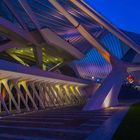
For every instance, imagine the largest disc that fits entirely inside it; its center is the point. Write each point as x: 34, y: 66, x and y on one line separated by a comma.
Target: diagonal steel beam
x: 15, y: 13
x: 9, y: 45
x: 15, y: 33
x: 48, y: 35
x: 37, y: 51
x: 95, y: 44
x: 30, y: 13
x: 54, y: 40
x: 18, y: 35
x: 102, y: 21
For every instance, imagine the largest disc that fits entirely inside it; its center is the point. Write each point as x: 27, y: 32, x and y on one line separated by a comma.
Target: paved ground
x: 64, y: 124
x: 108, y: 129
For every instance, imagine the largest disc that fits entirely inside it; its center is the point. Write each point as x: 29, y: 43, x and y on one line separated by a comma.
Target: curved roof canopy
x: 35, y: 16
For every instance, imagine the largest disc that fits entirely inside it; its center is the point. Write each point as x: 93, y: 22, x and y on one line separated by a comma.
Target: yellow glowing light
x: 44, y: 66
x: 18, y: 59
x: 66, y: 89
x: 77, y: 89
x: 55, y: 93
x: 57, y: 85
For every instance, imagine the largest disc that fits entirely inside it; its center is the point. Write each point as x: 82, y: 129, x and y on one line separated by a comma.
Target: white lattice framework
x: 28, y: 92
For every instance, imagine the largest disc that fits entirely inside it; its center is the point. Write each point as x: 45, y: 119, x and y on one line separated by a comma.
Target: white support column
x: 42, y: 93
x: 64, y: 94
x: 10, y: 103
x: 68, y: 94
x: 4, y: 104
x: 54, y: 94
x: 19, y: 101
x: 59, y: 93
x: 81, y: 93
x: 107, y: 94
x: 48, y: 96
x: 75, y: 95
x: 15, y: 84
x: 23, y: 83
x: 112, y: 97
x: 32, y: 85
x: 0, y: 106
x: 5, y: 83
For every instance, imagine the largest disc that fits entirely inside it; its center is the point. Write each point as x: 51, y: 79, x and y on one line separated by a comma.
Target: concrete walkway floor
x: 109, y: 127
x: 62, y: 124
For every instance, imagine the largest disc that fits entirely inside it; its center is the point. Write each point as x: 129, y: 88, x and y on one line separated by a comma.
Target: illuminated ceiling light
x: 93, y: 77
x: 98, y: 79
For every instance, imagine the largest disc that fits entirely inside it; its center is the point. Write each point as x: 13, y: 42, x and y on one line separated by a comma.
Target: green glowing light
x: 24, y: 54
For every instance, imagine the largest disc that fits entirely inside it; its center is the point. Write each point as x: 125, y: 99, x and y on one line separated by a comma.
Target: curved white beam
x: 15, y: 33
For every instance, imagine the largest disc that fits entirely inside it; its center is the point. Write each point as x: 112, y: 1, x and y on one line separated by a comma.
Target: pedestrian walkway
x: 108, y: 129
x: 63, y: 124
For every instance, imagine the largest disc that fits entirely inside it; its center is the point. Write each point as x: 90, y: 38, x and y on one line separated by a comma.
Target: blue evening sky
x: 125, y: 14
